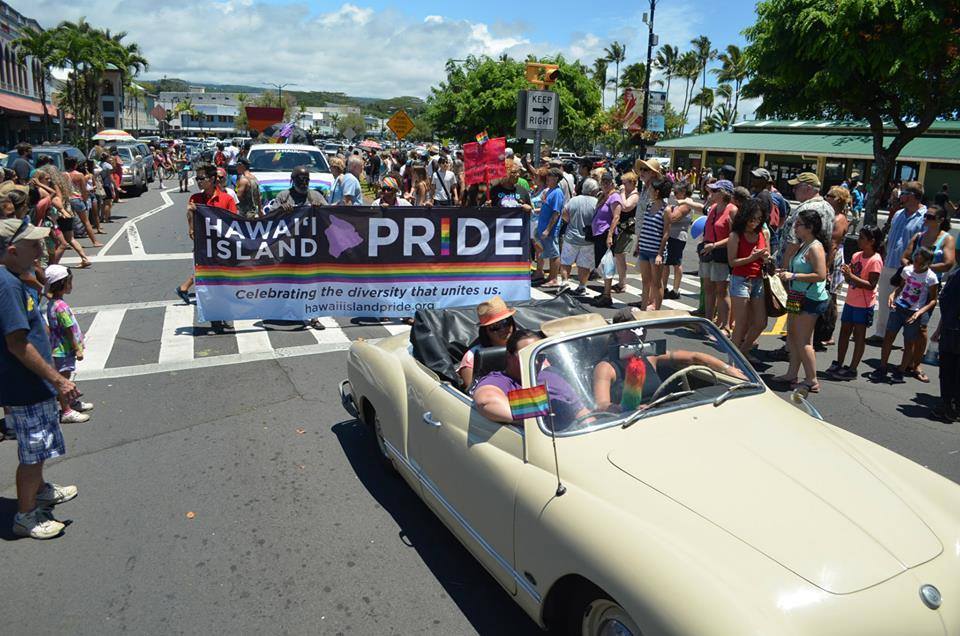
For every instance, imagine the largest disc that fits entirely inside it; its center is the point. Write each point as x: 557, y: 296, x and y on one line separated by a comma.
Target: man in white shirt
x: 445, y: 185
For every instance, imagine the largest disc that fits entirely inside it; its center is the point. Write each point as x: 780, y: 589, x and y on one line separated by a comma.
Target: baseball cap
x: 55, y: 273
x: 722, y: 184
x: 808, y: 178
x: 221, y: 172
x: 13, y: 230
x: 762, y: 173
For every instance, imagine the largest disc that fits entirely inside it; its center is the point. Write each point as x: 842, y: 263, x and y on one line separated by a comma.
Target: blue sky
x: 377, y: 48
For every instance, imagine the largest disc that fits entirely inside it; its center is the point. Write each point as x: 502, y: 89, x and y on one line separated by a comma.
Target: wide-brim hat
x: 650, y: 164
x: 493, y: 310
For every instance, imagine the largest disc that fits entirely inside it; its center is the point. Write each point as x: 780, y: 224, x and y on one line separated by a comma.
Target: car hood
x: 783, y: 485
x: 272, y: 183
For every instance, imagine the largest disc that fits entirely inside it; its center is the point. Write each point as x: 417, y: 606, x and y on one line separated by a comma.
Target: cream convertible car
x: 715, y: 507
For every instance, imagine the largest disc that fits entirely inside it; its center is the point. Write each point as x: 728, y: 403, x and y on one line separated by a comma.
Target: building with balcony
x: 21, y: 111
x: 215, y: 114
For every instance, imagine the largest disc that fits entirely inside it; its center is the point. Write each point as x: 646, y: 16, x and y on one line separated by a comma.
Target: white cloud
x: 349, y: 48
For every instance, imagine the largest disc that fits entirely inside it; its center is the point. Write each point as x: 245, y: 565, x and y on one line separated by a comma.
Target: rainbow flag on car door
x: 530, y: 402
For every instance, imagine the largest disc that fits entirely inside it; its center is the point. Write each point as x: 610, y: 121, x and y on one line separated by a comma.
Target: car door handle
x: 428, y: 418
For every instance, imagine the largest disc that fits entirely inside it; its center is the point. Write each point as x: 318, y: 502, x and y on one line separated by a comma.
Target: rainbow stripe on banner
x: 358, y: 273
x: 530, y: 402
x: 445, y: 236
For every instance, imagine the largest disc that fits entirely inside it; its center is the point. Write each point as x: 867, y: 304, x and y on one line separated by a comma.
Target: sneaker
x: 672, y: 294
x: 316, y: 324
x: 834, y: 368
x: 74, y: 417
x: 83, y: 407
x: 897, y: 376
x: 36, y: 526
x: 944, y: 414
x: 878, y: 375
x: 184, y: 296
x: 53, y: 494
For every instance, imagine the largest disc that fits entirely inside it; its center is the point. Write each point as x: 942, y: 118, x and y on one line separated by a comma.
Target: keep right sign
x: 541, y: 112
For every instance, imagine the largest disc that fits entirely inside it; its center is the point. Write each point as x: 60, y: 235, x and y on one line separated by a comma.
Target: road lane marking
x: 176, y: 341
x: 133, y: 237
x: 212, y: 361
x: 333, y: 334
x: 167, y: 202
x: 251, y: 338
x: 150, y: 304
x: 100, y: 338
x: 129, y: 258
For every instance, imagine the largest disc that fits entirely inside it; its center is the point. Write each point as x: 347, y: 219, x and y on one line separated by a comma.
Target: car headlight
x: 126, y: 170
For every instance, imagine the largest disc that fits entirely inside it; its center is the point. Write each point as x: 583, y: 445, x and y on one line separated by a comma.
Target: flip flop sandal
x: 813, y: 387
x: 920, y: 375
x: 619, y: 288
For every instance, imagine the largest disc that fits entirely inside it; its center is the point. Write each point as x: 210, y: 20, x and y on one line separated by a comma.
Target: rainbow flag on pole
x: 482, y: 137
x: 530, y: 402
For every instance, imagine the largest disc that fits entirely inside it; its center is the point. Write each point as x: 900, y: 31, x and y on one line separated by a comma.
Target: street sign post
x: 400, y: 124
x: 537, y: 118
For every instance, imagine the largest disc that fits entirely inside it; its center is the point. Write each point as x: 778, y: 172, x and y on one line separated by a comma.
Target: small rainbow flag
x: 482, y: 137
x: 530, y: 402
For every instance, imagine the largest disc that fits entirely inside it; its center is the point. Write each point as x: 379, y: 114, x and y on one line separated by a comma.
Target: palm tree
x: 725, y: 92
x: 616, y: 53
x: 705, y: 55
x: 734, y: 69
x: 634, y: 75
x: 666, y: 61
x: 721, y: 118
x: 688, y: 68
x: 38, y: 45
x: 599, y: 76
x: 705, y: 100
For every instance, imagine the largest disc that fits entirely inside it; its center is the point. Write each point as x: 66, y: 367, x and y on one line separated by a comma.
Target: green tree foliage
x: 352, y: 121
x: 705, y: 54
x: 893, y: 63
x: 616, y: 54
x: 666, y: 62
x: 481, y: 94
x: 733, y: 70
x: 87, y: 53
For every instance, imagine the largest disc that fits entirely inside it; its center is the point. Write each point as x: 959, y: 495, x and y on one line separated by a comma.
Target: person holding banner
x: 211, y: 196
x: 299, y: 193
x: 389, y: 188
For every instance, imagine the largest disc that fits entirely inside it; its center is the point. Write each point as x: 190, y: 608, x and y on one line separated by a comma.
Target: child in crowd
x: 862, y: 275
x: 66, y: 339
x: 912, y: 303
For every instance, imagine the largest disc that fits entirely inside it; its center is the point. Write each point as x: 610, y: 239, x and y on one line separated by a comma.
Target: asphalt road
x: 223, y: 489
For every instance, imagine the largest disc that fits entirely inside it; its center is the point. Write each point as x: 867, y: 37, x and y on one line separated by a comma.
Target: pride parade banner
x: 357, y: 261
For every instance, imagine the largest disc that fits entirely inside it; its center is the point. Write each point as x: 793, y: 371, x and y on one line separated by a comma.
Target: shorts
x: 551, y: 247
x: 743, y: 287
x: 647, y: 256
x: 108, y: 188
x: 572, y: 253
x: 898, y: 319
x: 714, y: 272
x: 623, y: 239
x: 65, y: 224
x: 38, y: 431
x: 814, y: 307
x: 65, y: 365
x: 857, y: 315
x: 674, y: 251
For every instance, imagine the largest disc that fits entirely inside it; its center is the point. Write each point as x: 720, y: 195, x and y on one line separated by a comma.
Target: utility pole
x: 646, y: 79
x: 280, y: 88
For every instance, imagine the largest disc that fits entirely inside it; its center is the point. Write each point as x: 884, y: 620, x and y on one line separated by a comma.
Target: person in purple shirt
x: 490, y: 394
x: 605, y: 222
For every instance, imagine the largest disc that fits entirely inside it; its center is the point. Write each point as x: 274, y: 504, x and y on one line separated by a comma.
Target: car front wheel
x: 604, y: 617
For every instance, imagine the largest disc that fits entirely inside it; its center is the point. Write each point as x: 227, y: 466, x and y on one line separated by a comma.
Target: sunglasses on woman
x: 503, y: 325
x: 930, y: 216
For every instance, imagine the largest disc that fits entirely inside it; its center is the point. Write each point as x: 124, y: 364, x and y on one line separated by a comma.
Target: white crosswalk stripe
x: 99, y: 339
x: 176, y: 342
x: 180, y: 337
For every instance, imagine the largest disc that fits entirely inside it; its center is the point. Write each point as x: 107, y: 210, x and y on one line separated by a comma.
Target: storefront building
x: 835, y: 150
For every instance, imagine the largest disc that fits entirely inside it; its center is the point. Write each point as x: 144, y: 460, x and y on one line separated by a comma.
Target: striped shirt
x: 651, y: 234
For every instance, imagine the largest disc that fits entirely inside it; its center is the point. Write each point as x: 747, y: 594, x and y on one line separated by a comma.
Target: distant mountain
x: 379, y: 107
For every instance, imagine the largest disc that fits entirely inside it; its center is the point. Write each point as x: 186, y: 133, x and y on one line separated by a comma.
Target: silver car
x: 134, y: 177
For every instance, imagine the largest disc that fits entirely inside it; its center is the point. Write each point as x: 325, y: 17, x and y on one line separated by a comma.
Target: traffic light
x: 542, y: 75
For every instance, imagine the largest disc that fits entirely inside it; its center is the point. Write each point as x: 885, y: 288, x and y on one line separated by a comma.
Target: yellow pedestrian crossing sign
x: 400, y: 124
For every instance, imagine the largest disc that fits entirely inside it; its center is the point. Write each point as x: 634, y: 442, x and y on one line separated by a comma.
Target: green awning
x: 938, y: 149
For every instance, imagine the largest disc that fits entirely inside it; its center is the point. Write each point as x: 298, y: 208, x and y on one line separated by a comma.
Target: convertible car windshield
x: 622, y: 374
x: 285, y: 160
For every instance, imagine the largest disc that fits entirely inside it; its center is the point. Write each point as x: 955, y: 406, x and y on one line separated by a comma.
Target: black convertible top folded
x: 440, y: 337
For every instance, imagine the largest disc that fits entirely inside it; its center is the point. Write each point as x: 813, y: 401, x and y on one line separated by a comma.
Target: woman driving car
x: 621, y: 385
